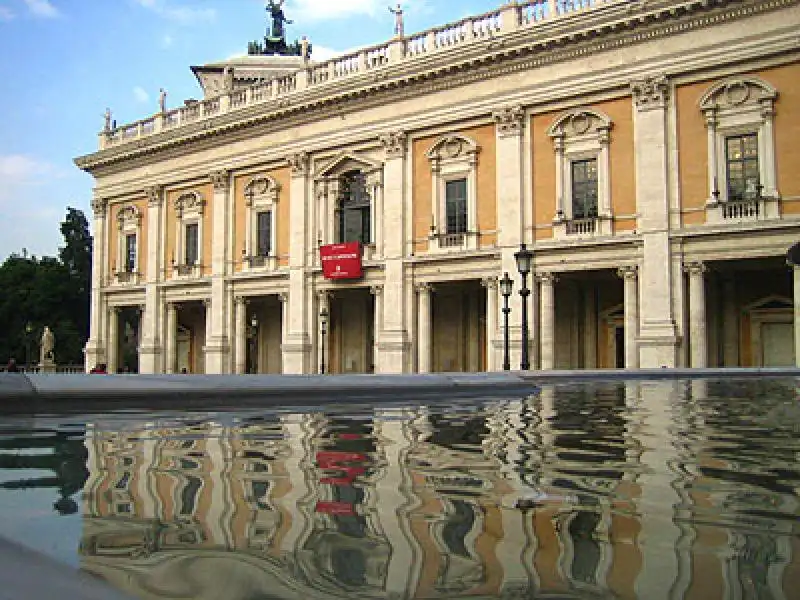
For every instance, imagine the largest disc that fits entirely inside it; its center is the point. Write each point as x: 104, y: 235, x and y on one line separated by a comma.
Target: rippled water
x: 666, y: 489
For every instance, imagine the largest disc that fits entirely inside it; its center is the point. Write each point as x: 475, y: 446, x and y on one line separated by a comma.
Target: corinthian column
x: 217, y: 347
x: 490, y: 283
x: 548, y: 320
x: 150, y: 347
x: 631, y: 301
x: 424, y: 349
x: 171, y: 337
x: 698, y: 334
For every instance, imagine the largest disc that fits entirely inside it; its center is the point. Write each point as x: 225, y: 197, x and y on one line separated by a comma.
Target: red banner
x: 335, y: 508
x: 341, y: 261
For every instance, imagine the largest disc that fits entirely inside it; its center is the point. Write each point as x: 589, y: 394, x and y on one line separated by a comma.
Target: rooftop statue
x: 275, y: 40
x: 398, y: 19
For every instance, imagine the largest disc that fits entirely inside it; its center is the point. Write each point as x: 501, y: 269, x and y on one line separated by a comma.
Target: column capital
x: 547, y: 278
x: 299, y: 163
x: 650, y: 93
x: 283, y: 297
x: 628, y: 271
x: 695, y: 268
x: 376, y: 290
x: 394, y: 144
x: 423, y: 288
x: 155, y: 195
x: 489, y: 282
x: 221, y: 180
x: 509, y: 120
x: 240, y: 300
x: 99, y: 207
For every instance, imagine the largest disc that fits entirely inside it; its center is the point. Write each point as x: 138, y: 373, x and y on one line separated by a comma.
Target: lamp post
x: 506, y: 286
x: 28, y: 332
x: 524, y: 258
x: 323, y: 328
x: 254, y: 344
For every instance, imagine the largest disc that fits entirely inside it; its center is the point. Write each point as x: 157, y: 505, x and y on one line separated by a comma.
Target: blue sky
x: 65, y: 61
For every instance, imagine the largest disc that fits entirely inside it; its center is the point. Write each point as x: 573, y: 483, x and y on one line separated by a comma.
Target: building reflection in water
x: 632, y: 490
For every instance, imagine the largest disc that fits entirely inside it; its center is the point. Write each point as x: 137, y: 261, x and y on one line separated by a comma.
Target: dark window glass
x: 130, y: 253
x: 189, y: 494
x: 264, y: 233
x: 741, y: 155
x: 354, y: 209
x: 584, y: 189
x: 455, y: 193
x: 192, y: 241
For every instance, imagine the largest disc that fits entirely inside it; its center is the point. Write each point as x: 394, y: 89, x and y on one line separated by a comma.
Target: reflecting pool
x: 648, y: 489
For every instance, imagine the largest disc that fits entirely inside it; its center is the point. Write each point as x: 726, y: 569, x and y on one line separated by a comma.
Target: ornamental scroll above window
x: 739, y: 115
x: 583, y: 184
x: 454, y: 192
x: 261, y: 202
x: 188, y: 257
x: 129, y: 223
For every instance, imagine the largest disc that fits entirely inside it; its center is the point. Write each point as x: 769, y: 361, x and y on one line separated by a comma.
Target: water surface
x: 667, y: 489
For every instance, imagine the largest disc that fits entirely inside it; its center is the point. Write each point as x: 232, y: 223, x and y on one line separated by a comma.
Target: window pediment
x: 453, y: 149
x: 739, y: 93
x: 262, y: 189
x: 346, y: 162
x: 129, y: 217
x: 581, y: 123
x: 191, y: 202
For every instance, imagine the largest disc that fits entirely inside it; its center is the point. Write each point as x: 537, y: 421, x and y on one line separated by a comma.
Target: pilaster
x: 796, y: 292
x: 658, y: 338
x: 113, y: 339
x: 95, y: 346
x: 217, y: 346
x: 510, y: 182
x: 393, y: 344
x: 150, y: 345
x: 240, y: 335
x: 297, y: 345
x: 171, y: 341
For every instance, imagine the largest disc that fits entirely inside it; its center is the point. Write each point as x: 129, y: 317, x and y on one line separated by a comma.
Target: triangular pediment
x: 345, y: 162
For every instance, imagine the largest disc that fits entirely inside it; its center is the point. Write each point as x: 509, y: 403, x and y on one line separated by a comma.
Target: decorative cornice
x: 299, y: 163
x: 617, y: 27
x: 394, y: 144
x: 221, y: 180
x: 509, y: 120
x: 651, y: 93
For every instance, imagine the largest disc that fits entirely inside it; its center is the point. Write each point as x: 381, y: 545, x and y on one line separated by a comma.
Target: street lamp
x: 524, y: 258
x: 506, y: 286
x: 323, y: 327
x: 28, y: 332
x: 254, y: 344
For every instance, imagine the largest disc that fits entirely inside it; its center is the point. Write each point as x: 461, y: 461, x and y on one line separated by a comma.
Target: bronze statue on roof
x: 275, y: 40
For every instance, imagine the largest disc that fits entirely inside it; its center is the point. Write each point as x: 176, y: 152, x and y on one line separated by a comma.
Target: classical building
x: 646, y: 152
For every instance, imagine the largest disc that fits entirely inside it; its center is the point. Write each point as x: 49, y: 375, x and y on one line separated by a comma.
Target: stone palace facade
x: 646, y: 152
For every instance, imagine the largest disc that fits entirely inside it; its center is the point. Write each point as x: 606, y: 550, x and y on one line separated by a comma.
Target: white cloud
x: 326, y: 9
x: 179, y: 14
x: 167, y: 41
x: 21, y: 168
x: 6, y: 13
x: 141, y: 95
x: 42, y: 8
x: 323, y: 53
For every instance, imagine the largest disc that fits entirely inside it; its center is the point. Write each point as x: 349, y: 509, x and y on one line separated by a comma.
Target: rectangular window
x: 584, y: 188
x: 455, y: 194
x: 192, y: 244
x: 741, y: 157
x: 264, y: 233
x: 130, y: 253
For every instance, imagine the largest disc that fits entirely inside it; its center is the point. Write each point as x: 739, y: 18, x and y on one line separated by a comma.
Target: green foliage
x: 35, y: 292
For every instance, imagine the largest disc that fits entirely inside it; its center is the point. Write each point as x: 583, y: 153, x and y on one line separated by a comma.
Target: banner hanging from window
x: 341, y: 261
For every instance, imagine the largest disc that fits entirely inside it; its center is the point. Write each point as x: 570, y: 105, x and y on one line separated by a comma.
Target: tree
x: 48, y: 291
